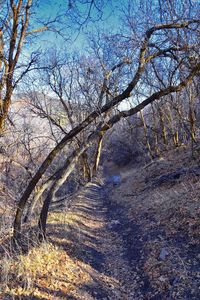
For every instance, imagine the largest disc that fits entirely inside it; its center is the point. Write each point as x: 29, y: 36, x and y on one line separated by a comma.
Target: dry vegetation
x: 66, y: 265
x: 169, y: 214
x: 99, y: 150
x: 46, y: 271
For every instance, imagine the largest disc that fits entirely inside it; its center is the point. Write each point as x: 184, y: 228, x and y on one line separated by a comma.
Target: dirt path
x: 130, y: 241
x: 104, y: 239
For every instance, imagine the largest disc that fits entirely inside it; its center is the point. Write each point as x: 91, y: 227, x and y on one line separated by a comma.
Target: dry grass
x: 54, y: 269
x: 48, y: 271
x: 170, y: 215
x: 172, y: 205
x: 42, y: 273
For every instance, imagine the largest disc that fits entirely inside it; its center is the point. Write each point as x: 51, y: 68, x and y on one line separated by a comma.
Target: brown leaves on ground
x: 82, y: 241
x: 44, y: 272
x: 169, y: 215
x: 82, y: 260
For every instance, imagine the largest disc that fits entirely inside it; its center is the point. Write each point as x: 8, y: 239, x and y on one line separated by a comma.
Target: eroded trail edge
x: 108, y: 243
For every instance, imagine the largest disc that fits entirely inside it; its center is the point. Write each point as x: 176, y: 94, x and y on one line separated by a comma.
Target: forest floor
x: 133, y: 235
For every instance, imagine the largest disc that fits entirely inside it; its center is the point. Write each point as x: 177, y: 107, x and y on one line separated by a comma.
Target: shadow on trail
x: 81, y: 241
x: 108, y: 244
x: 130, y: 233
x: 84, y: 240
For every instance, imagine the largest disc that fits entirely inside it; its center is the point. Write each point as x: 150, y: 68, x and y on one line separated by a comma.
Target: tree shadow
x: 80, y: 240
x: 84, y: 243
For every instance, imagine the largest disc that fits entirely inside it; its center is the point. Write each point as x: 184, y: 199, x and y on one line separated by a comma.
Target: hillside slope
x: 132, y: 235
x: 163, y: 199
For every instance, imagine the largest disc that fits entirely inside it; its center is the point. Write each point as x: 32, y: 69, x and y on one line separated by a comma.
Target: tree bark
x: 87, y: 121
x: 20, y: 15
x: 97, y: 155
x: 155, y: 132
x: 56, y: 185
x: 63, y: 174
x: 146, y: 135
x: 86, y: 168
x: 162, y: 125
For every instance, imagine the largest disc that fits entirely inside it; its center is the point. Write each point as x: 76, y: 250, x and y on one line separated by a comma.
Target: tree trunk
x: 162, y: 125
x: 155, y: 132
x: 113, y: 120
x: 86, y: 168
x: 191, y: 118
x: 146, y: 135
x: 62, y: 177
x: 5, y: 105
x: 97, y: 155
x: 34, y: 202
x: 176, y: 139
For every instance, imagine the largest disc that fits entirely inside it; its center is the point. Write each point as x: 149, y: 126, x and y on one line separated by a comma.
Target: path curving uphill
x: 109, y: 243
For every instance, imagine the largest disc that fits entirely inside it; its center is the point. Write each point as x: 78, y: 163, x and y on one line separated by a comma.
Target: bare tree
x: 158, y: 45
x: 19, y: 23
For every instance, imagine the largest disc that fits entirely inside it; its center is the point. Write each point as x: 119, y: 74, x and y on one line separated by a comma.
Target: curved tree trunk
x: 69, y: 136
x: 76, y: 130
x: 46, y: 185
x: 62, y: 177
x: 113, y: 120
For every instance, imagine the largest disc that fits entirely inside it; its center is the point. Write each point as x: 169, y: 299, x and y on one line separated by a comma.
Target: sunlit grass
x: 47, y: 271
x: 44, y: 268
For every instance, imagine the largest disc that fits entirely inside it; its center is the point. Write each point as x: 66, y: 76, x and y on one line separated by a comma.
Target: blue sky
x: 111, y: 18
x: 48, y: 10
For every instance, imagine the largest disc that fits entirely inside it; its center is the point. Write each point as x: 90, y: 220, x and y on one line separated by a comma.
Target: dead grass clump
x: 45, y: 268
x: 19, y: 273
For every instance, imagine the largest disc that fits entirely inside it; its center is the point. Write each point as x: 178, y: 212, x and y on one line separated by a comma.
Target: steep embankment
x: 163, y: 199
x: 134, y: 238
